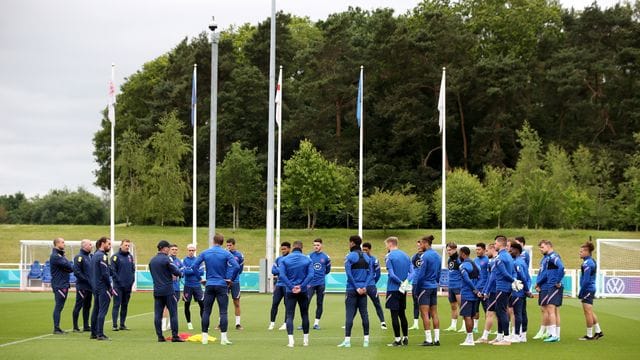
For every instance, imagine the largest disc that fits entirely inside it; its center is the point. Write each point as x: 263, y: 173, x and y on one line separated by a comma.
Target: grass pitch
x: 26, y: 325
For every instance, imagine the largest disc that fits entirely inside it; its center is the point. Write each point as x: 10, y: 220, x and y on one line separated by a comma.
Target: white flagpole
x: 279, y: 175
x: 194, y: 112
x: 112, y: 117
x: 442, y: 104
x: 361, y: 160
x: 271, y: 146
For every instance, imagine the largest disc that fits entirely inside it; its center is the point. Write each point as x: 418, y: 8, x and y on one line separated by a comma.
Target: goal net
x: 618, y: 262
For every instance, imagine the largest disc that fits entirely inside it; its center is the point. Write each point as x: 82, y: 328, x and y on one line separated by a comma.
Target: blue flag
x: 359, y: 101
x: 193, y: 97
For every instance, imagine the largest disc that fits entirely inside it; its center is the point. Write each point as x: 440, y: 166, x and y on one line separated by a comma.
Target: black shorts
x: 468, y: 308
x: 484, y: 305
x: 192, y: 293
x: 234, y: 290
x: 491, y: 302
x: 551, y: 297
x: 452, y: 294
x: 428, y: 297
x: 396, y: 301
x: 588, y: 298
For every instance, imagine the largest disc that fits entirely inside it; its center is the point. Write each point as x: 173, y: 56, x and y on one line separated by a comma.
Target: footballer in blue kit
x: 549, y: 285
x: 372, y: 288
x: 192, y: 285
x: 469, y: 294
x: 234, y: 289
x: 587, y: 291
x: 482, y: 262
x: 278, y: 288
x: 321, y: 267
x: 453, y: 264
x: 503, y: 272
x: 426, y: 281
x: 518, y: 301
x: 416, y: 260
x: 399, y: 269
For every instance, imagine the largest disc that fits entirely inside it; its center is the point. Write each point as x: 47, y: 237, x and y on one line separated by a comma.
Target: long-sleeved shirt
x: 587, y: 277
x: 100, y: 272
x: 123, y: 269
x: 217, y: 262
x: 178, y: 263
x: 490, y: 286
x: 429, y: 272
x: 240, y: 260
x: 162, y: 271
x: 453, y: 263
x: 82, y: 270
x: 276, y: 271
x: 296, y: 269
x: 358, y: 267
x: 504, y: 271
x: 60, y: 269
x: 521, y: 273
x: 192, y: 276
x: 551, y: 272
x: 321, y: 267
x: 416, y: 260
x: 469, y: 274
x: 398, y: 268
x: 526, y: 258
x: 482, y: 262
x: 376, y: 271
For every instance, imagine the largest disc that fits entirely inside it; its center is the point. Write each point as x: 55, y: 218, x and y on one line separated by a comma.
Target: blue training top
x: 398, y: 268
x: 358, y: 267
x: 60, y: 269
x: 482, y: 262
x: 521, y: 273
x: 123, y: 269
x: 275, y: 269
x: 504, y: 271
x: 296, y: 269
x: 551, y: 272
x: 429, y: 273
x: 217, y: 261
x: 82, y: 270
x: 587, y: 277
x: 162, y: 271
x: 416, y: 260
x: 321, y: 267
x: 455, y: 281
x: 469, y: 274
x: 240, y: 260
x: 192, y: 276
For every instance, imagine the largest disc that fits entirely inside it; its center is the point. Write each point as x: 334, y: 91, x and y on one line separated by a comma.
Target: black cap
x: 163, y: 244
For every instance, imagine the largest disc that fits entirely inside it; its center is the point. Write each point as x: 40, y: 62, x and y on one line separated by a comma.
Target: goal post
x: 618, y: 262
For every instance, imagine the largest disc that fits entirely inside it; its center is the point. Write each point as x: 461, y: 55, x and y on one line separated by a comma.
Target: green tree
x: 629, y: 196
x: 165, y: 182
x: 239, y: 180
x: 497, y: 189
x: 131, y: 166
x: 465, y: 200
x: 69, y: 207
x: 392, y: 209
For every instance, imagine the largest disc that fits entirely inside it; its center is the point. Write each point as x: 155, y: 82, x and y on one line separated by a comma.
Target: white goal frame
x: 612, y: 282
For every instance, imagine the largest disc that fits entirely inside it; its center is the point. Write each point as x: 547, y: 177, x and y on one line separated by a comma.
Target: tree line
x: 571, y: 78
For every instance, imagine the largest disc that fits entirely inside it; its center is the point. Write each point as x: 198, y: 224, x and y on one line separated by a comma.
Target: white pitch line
x: 46, y: 335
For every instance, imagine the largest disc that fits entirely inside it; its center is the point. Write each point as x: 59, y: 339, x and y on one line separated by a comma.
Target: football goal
x: 618, y: 262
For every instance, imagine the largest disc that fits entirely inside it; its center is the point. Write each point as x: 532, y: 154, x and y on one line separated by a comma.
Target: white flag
x: 279, y: 100
x: 111, y: 115
x: 442, y: 102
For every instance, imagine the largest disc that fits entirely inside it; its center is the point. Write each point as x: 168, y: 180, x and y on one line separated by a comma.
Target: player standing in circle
x: 482, y: 262
x: 399, y: 268
x: 192, y: 284
x: 427, y: 280
x: 469, y: 294
x: 453, y: 263
x: 587, y: 291
x: 235, y: 287
x: 549, y: 285
x: 416, y: 260
x: 279, y: 289
x: 321, y: 267
x: 372, y: 289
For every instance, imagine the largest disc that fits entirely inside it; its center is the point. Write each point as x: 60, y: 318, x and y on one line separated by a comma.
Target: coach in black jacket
x: 82, y: 271
x: 163, y: 271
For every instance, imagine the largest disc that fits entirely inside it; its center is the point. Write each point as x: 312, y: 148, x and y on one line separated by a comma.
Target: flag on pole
x: 279, y: 100
x: 359, y: 101
x: 442, y: 102
x: 193, y: 96
x: 111, y: 112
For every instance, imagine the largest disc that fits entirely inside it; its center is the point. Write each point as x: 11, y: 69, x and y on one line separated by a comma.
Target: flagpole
x: 279, y: 175
x: 270, y: 144
x: 112, y: 195
x: 194, y: 124
x: 361, y: 105
x: 442, y: 103
x: 213, y: 133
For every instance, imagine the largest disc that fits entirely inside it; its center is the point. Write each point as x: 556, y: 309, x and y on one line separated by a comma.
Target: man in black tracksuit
x: 123, y: 270
x: 101, y: 285
x: 82, y: 271
x: 60, y: 269
x: 163, y: 271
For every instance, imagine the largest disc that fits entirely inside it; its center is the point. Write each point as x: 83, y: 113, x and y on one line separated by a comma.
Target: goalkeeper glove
x: 516, y: 285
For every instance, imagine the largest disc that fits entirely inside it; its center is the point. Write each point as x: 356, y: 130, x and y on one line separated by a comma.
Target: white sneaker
x: 205, y: 338
x: 225, y: 342
x: 523, y: 338
x: 414, y: 327
x: 482, y: 341
x: 514, y: 338
x: 305, y: 343
x: 283, y: 327
x: 467, y: 344
x: 271, y: 326
x: 190, y: 326
x: 383, y: 325
x: 290, y: 345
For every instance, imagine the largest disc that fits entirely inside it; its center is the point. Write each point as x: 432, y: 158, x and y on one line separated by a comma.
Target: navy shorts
x: 484, y: 305
x: 176, y: 294
x: 551, y: 297
x: 468, y: 308
x: 192, y: 293
x: 491, y: 302
x: 427, y: 297
x: 452, y: 294
x: 234, y: 290
x: 588, y: 298
x: 396, y: 301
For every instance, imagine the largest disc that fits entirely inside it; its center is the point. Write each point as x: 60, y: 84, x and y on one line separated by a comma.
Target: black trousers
x: 353, y: 303
x: 171, y: 303
x: 290, y: 302
x: 120, y: 304
x: 83, y: 302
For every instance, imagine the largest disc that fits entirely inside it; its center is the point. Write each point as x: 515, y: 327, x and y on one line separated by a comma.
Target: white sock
x: 552, y: 330
x: 316, y: 322
x: 347, y: 339
x: 436, y: 334
x: 558, y: 331
x: 500, y: 337
x: 485, y: 334
x: 590, y: 332
x: 366, y: 338
x: 272, y: 324
x: 305, y: 338
x: 205, y: 338
x: 523, y: 334
x: 237, y: 320
x: 223, y: 336
x: 596, y: 327
x: 291, y: 339
x: 427, y: 335
x: 544, y: 329
x: 475, y: 323
x: 469, y: 337
x: 415, y: 323
x: 397, y: 339
x: 164, y: 323
x: 454, y: 323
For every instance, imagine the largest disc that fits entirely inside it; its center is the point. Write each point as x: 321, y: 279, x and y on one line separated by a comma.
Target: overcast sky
x: 55, y: 61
